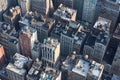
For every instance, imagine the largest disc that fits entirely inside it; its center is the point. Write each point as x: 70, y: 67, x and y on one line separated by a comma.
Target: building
x: 36, y: 51
x: 57, y: 30
x: 3, y: 7
x: 78, y: 5
x: 79, y: 68
x: 2, y: 56
x: 117, y: 32
x: 25, y: 5
x: 18, y: 69
x: 38, y: 72
x: 115, y: 69
x: 43, y: 28
x: 89, y: 8
x: 101, y: 45
x: 41, y: 6
x: 68, y: 3
x: 35, y: 71
x: 51, y: 52
x: 27, y: 38
x: 9, y: 39
x: 50, y: 74
x: 89, y: 46
x: 71, y: 38
x: 103, y: 24
x: 115, y: 77
x: 12, y: 16
x: 103, y: 38
x: 108, y: 8
x: 65, y: 13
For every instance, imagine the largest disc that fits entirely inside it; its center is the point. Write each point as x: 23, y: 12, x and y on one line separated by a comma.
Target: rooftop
x: 115, y: 77
x: 35, y: 70
x: 45, y: 25
x: 13, y: 68
x: 73, y: 29
x: 103, y: 24
x: 102, y: 38
x: 5, y: 28
x: 96, y: 70
x: 9, y: 32
x: 28, y: 30
x: 51, y: 43
x: 36, y: 46
x: 70, y: 62
x: 64, y: 13
x: 20, y: 61
x: 81, y: 68
x: 50, y: 74
x: 90, y: 41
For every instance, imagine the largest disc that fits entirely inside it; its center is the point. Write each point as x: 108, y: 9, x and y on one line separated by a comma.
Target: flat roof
x: 82, y: 68
x: 64, y: 12
x: 13, y: 68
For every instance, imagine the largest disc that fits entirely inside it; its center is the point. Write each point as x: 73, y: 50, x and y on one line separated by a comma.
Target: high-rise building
x: 43, y: 28
x: 19, y: 68
x: 27, y: 38
x: 36, y: 51
x: 25, y: 5
x: 3, y: 7
x: 41, y: 6
x: 50, y: 74
x: 103, y: 38
x: 116, y: 62
x: 89, y: 8
x: 2, y: 56
x: 12, y: 16
x: 110, y: 9
x: 35, y: 70
x: 71, y: 36
x: 77, y: 68
x: 65, y: 13
x: 89, y: 46
x: 9, y: 39
x: 78, y: 5
x: 51, y: 52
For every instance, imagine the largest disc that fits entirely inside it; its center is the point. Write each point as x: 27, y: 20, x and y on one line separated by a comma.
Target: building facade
x: 50, y: 52
x: 116, y: 63
x: 43, y: 28
x: 89, y: 8
x: 27, y: 38
x: 18, y: 69
x: 9, y: 39
x: 109, y: 8
x: 41, y: 6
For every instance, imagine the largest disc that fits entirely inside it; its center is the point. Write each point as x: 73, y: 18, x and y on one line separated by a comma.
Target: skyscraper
x: 41, y: 6
x: 78, y: 5
x: 89, y: 8
x: 27, y: 38
x: 110, y: 9
x: 50, y: 52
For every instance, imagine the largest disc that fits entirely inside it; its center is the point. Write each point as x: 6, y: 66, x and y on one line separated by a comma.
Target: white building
x: 50, y: 52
